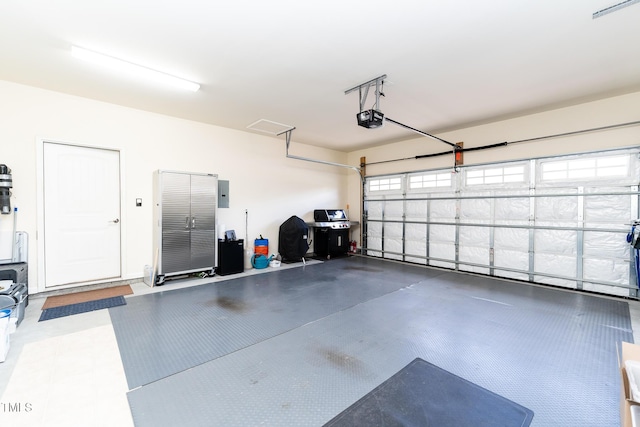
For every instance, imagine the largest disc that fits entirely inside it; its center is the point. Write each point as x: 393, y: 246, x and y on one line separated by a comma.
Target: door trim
x: 41, y: 276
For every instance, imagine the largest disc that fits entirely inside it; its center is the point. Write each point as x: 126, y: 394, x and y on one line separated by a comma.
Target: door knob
x: 115, y: 221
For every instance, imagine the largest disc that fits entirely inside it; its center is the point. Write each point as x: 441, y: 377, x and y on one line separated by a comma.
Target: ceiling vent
x: 267, y: 126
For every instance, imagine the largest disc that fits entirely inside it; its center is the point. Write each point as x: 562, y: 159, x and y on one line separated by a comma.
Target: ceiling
x: 448, y: 64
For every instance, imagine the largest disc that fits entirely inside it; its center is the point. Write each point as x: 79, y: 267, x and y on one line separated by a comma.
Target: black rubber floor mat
x: 296, y: 349
x: 422, y: 394
x: 82, y: 307
x: 168, y: 332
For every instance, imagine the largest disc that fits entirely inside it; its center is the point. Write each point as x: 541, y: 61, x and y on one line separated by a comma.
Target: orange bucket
x: 261, y: 246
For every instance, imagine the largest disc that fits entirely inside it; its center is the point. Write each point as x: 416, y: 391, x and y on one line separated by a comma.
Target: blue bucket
x: 261, y: 246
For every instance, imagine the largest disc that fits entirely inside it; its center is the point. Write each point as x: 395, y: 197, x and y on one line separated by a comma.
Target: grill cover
x: 292, y: 239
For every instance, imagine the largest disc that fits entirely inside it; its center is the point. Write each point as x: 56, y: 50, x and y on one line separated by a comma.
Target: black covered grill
x: 293, y: 240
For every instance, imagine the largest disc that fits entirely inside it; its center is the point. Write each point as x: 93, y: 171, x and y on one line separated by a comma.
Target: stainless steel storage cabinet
x: 185, y: 223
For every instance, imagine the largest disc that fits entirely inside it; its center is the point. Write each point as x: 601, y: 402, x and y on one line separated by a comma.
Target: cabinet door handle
x: 186, y: 226
x: 193, y: 222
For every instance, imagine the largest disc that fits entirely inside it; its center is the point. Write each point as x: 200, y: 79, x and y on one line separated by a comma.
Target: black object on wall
x: 6, y: 182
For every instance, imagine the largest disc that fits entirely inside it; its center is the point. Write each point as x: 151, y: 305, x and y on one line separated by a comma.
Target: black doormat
x: 422, y: 394
x: 82, y: 307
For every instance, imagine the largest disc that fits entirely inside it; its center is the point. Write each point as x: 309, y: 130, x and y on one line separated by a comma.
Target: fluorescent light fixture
x: 132, y: 69
x: 614, y: 7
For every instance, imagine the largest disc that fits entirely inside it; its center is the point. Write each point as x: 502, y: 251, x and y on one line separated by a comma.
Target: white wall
x: 262, y: 180
x: 606, y: 112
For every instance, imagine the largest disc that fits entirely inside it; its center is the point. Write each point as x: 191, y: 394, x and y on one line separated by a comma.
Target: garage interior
x: 464, y: 179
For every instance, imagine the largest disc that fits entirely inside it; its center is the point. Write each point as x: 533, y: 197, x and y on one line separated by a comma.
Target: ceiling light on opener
x: 132, y: 69
x: 372, y: 118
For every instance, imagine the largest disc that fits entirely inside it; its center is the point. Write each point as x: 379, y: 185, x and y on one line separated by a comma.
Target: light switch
x: 138, y: 202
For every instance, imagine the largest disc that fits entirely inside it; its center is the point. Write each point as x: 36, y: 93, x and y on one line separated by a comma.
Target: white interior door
x: 81, y: 214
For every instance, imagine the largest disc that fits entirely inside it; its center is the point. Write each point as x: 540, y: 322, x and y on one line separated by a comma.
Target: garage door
x: 560, y: 221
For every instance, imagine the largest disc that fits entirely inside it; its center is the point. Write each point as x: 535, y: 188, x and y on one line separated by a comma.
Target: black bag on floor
x: 292, y: 239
